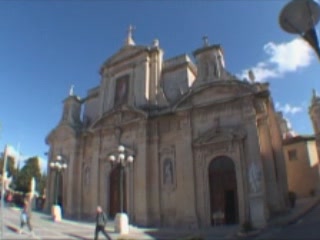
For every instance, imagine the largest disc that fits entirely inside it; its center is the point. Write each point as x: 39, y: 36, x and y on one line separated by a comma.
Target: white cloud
x: 282, y: 58
x: 288, y: 108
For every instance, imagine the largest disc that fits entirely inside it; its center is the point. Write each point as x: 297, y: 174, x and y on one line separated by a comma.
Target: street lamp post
x: 301, y: 17
x: 57, y: 165
x: 122, y: 159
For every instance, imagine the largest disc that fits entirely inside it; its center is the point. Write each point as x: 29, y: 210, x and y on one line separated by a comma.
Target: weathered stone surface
x: 174, y: 140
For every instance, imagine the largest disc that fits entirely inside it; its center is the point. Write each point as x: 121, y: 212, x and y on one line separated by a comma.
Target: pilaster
x: 268, y: 161
x: 153, y: 175
x: 140, y: 178
x: 258, y: 210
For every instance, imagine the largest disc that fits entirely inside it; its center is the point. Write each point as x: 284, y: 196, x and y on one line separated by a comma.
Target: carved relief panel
x: 168, y: 168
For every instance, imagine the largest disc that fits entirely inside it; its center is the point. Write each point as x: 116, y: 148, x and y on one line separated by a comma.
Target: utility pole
x: 4, y: 168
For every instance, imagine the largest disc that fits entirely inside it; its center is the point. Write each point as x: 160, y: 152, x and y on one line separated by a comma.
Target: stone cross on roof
x: 205, y: 41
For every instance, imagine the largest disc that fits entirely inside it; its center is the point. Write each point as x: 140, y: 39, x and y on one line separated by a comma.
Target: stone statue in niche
x: 167, y: 172
x: 122, y: 89
x: 255, y: 176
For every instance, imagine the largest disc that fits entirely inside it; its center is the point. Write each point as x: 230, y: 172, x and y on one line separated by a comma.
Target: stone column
x: 280, y: 163
x: 200, y: 186
x: 153, y: 175
x: 69, y: 179
x: 258, y: 213
x: 185, y: 171
x: 49, y: 185
x: 92, y: 190
x: 140, y: 178
x: 268, y: 164
x: 242, y: 183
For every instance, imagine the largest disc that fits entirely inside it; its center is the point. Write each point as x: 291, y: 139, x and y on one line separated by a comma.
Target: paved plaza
x: 45, y: 228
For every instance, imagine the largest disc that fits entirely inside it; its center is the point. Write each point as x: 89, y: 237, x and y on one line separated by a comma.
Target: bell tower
x: 210, y: 63
x: 314, y: 112
x: 71, y: 109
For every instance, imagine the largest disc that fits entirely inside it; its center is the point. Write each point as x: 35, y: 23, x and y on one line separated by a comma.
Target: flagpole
x: 2, y: 188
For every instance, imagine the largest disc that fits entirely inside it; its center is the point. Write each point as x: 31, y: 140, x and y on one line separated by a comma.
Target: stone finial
x: 314, y: 94
x: 129, y: 40
x: 251, y: 76
x: 205, y: 41
x: 155, y: 43
x: 71, y: 91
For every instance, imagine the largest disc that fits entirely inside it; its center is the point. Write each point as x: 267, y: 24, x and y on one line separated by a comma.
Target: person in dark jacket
x: 101, y: 221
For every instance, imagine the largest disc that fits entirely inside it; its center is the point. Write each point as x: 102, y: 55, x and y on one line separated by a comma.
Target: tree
x: 30, y: 169
x: 11, y: 169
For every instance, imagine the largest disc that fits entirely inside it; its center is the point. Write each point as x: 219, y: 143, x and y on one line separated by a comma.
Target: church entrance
x: 223, y: 191
x: 115, y: 192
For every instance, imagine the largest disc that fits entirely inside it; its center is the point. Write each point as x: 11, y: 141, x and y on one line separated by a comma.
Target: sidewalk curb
x: 293, y: 219
x: 304, y: 212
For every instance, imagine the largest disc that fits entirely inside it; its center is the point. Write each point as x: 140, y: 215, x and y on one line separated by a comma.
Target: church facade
x: 206, y: 145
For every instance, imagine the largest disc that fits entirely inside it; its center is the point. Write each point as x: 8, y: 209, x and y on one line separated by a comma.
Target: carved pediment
x: 216, y: 92
x: 220, y: 135
x: 124, y: 53
x: 119, y: 117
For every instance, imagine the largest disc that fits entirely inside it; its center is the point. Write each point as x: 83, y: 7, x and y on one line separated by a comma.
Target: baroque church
x: 207, y: 146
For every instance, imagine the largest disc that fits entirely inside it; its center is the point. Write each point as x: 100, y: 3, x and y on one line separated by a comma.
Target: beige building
x: 302, y: 165
x: 201, y: 140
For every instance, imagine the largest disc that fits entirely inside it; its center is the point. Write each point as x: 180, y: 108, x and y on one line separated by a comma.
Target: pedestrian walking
x: 26, y: 216
x: 101, y: 221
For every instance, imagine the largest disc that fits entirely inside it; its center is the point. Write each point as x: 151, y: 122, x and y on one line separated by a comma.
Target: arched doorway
x: 115, y: 192
x: 223, y: 191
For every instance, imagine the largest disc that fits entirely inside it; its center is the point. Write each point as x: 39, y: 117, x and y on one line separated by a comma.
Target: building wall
x: 168, y: 183
x: 303, y: 178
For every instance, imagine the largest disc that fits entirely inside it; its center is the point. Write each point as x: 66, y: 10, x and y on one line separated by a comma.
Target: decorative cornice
x: 220, y: 135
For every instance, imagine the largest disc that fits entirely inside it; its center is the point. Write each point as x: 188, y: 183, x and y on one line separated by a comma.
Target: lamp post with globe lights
x: 57, y: 165
x: 122, y: 159
x: 300, y: 17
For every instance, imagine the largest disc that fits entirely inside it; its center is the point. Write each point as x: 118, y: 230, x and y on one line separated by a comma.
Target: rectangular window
x: 292, y: 154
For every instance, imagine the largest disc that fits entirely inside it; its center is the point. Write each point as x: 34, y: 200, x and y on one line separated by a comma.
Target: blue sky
x: 46, y: 46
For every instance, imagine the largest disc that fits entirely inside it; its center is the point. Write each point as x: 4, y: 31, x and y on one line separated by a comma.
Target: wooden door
x: 223, y: 191
x: 115, y: 192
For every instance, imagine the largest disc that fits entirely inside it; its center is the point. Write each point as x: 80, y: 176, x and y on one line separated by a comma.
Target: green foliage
x: 11, y: 170
x: 29, y: 170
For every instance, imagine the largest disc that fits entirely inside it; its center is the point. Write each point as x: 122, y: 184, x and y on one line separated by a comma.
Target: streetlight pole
x: 57, y: 165
x: 3, y: 178
x: 122, y: 159
x: 301, y: 17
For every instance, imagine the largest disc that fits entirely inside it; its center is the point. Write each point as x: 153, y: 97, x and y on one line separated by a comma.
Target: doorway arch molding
x: 206, y: 154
